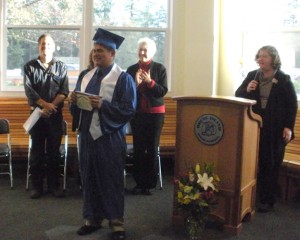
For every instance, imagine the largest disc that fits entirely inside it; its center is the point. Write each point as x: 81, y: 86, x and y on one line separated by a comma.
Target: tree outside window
x: 26, y: 20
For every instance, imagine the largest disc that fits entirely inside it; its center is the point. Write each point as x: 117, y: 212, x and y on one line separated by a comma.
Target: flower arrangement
x: 196, y: 194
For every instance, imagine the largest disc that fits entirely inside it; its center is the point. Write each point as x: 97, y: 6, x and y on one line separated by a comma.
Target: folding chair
x: 5, y: 150
x: 78, y: 157
x: 63, y: 150
x: 129, y: 153
x: 64, y: 153
x: 129, y: 158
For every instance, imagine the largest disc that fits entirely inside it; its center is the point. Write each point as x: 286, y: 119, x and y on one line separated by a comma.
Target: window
x: 26, y: 20
x: 279, y: 27
x: 134, y: 19
x: 22, y: 46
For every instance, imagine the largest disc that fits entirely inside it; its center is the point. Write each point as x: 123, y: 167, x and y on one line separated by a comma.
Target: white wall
x: 207, y: 47
x: 230, y: 52
x: 193, y: 48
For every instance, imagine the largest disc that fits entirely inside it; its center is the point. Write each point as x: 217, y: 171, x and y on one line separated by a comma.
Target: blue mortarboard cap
x: 107, y: 38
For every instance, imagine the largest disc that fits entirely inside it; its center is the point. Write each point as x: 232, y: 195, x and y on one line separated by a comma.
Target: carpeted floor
x: 147, y: 217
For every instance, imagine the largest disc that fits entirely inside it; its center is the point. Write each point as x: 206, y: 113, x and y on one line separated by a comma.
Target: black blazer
x: 281, y: 109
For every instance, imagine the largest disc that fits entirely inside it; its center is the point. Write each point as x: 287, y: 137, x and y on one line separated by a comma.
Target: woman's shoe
x: 87, y: 229
x: 35, y: 193
x: 118, y: 235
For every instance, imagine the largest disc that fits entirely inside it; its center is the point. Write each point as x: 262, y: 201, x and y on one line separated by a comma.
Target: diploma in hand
x: 34, y: 117
x: 83, y: 101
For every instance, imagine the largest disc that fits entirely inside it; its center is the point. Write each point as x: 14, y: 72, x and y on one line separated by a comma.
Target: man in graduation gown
x: 101, y: 132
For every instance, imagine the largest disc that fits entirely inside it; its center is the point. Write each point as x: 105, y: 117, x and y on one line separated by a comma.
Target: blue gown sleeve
x: 115, y: 114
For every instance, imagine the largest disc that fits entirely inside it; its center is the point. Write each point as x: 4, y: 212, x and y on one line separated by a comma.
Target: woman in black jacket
x: 277, y: 105
x: 151, y: 83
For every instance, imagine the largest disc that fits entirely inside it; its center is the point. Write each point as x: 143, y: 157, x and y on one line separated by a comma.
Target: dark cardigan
x: 156, y: 93
x: 282, y: 104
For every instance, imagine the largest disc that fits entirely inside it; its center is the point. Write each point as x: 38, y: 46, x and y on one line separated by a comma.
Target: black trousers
x: 271, y: 154
x: 46, y: 137
x: 146, y: 130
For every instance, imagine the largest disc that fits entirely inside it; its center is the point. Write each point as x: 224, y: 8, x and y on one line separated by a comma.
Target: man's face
x: 102, y: 57
x: 46, y: 46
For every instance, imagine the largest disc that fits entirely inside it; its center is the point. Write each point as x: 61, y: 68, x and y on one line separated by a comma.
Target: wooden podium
x: 225, y: 131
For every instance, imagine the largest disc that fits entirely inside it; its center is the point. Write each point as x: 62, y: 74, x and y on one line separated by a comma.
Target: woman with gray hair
x: 151, y: 84
x: 277, y: 105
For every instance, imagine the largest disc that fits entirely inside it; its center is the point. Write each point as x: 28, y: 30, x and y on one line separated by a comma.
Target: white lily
x: 205, y: 181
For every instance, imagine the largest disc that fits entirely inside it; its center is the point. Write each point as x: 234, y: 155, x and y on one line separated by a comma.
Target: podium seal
x: 209, y: 129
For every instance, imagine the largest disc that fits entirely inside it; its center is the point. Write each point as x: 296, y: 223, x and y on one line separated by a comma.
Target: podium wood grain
x: 234, y: 156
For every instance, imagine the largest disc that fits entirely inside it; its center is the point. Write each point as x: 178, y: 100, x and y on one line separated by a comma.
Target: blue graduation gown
x: 102, y: 161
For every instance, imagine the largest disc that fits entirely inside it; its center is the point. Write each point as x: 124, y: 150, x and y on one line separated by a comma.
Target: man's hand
x: 96, y: 101
x: 72, y: 98
x: 46, y: 113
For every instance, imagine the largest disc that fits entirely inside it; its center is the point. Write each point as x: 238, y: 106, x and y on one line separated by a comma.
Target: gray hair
x: 150, y: 44
x: 273, y: 53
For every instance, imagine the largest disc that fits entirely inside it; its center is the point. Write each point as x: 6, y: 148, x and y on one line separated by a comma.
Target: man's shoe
x: 34, y: 194
x: 87, y: 229
x: 118, y: 235
x: 146, y: 192
x: 265, y: 208
x: 136, y: 190
x: 58, y: 193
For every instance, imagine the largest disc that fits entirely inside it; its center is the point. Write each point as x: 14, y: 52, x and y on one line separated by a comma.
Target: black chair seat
x: 4, y: 149
x: 129, y: 151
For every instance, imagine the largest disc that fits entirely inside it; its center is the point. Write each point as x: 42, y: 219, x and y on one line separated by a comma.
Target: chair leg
x: 65, y: 175
x: 159, y: 172
x: 125, y: 178
x: 28, y: 164
x: 11, y: 173
x: 27, y: 176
